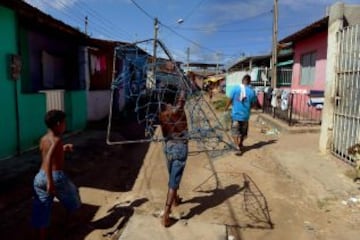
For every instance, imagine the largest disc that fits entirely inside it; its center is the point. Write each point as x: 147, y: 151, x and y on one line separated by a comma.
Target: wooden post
x: 274, y: 47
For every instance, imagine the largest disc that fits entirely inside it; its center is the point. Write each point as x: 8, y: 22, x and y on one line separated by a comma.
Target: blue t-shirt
x: 241, y: 109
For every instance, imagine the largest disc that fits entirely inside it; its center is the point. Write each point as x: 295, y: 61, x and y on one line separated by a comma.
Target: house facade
x: 99, y: 75
x: 48, y: 58
x: 309, y: 46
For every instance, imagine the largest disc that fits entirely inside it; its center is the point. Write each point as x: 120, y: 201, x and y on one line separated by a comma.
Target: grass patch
x: 220, y: 103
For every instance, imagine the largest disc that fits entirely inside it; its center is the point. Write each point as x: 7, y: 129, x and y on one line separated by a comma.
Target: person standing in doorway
x: 242, y: 98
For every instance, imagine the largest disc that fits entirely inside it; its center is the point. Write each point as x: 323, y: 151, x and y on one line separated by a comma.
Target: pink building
x: 309, y: 46
x: 310, y: 50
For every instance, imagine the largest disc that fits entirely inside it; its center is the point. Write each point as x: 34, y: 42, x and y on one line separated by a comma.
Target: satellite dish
x: 180, y: 21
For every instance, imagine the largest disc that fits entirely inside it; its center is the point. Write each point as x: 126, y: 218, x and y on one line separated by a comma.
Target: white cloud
x: 221, y: 13
x: 231, y: 11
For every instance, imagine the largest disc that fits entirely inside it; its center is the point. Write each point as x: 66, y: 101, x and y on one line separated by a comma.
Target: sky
x: 213, y: 30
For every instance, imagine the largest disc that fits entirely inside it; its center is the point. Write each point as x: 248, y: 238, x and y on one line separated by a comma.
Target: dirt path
x: 303, y: 189
x: 100, y: 171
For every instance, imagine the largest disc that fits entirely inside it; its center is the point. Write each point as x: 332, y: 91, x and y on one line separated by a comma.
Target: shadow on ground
x: 93, y: 164
x: 251, y: 210
x: 217, y: 196
x: 257, y: 145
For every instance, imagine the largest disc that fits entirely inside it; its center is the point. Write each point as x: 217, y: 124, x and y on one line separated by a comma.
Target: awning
x: 288, y: 62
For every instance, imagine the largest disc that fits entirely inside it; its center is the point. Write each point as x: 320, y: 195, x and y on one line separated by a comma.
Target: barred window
x: 308, y: 61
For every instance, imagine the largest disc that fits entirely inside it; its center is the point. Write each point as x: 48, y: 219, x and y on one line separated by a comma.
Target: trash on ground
x: 272, y: 131
x: 352, y: 201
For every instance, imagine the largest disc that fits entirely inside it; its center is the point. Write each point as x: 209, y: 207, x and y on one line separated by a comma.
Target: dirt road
x: 306, y: 193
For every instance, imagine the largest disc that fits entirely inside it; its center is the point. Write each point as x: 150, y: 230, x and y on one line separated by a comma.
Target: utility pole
x: 188, y: 59
x: 274, y: 46
x: 156, y: 29
x: 86, y: 24
x: 218, y: 54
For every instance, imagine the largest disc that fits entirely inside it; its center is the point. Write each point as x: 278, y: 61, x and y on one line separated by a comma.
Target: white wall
x: 234, y: 78
x: 98, y: 103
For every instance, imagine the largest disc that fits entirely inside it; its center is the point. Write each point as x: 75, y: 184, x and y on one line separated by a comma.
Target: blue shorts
x: 65, y: 191
x: 176, y: 152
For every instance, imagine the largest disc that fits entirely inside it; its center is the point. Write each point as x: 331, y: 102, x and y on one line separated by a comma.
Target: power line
x: 143, y: 10
x: 187, y: 39
x: 239, y: 30
x: 99, y: 26
x: 77, y: 19
x: 72, y: 14
x: 94, y: 26
x: 261, y: 14
x: 170, y: 29
x: 193, y: 9
x: 74, y: 18
x: 101, y: 18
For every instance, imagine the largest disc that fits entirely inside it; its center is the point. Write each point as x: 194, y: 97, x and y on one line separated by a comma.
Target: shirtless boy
x: 51, y: 180
x: 174, y: 128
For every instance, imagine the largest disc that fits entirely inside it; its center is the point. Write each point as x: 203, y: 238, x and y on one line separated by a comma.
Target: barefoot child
x: 51, y: 180
x: 174, y: 127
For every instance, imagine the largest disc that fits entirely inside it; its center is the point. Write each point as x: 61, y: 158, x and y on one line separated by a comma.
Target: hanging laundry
x: 275, y: 95
x: 316, y: 99
x: 263, y: 77
x: 268, y: 93
x: 254, y: 74
x: 285, y: 99
x: 95, y: 64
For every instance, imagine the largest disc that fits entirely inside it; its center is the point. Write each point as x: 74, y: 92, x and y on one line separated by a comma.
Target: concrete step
x: 284, y: 127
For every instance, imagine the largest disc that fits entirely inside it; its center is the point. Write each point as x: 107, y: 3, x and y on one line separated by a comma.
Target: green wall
x: 32, y: 106
x: 26, y: 121
x: 31, y: 119
x: 8, y: 132
x: 76, y: 110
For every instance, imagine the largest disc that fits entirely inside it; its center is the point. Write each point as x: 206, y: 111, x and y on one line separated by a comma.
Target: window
x: 53, y: 71
x: 308, y: 61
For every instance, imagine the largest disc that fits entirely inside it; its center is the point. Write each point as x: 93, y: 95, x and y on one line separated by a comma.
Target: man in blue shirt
x: 242, y: 98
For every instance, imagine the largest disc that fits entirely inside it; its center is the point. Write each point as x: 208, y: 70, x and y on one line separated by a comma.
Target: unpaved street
x: 306, y: 193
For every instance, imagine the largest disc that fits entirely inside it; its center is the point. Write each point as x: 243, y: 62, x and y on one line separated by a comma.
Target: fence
x: 346, y: 128
x: 295, y: 111
x: 284, y: 77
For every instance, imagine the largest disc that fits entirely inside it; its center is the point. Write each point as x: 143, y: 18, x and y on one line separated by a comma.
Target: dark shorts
x: 176, y: 152
x: 240, y: 128
x: 65, y: 191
